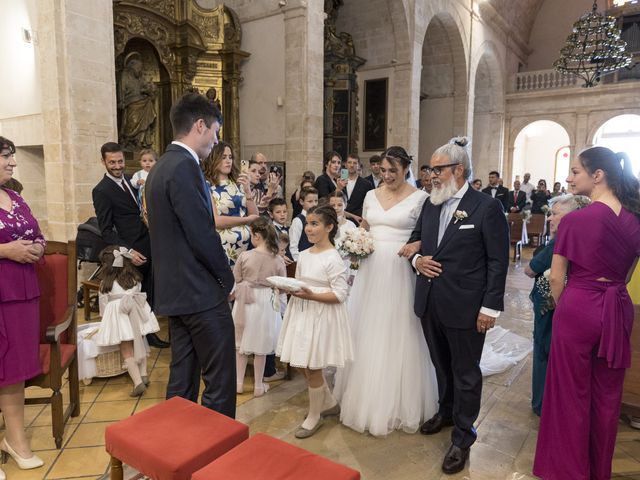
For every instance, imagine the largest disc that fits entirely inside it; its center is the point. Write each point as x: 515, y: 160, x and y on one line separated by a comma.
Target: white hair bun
x: 460, y: 141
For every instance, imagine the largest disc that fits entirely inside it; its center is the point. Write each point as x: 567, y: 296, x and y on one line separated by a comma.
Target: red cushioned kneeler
x: 173, y: 439
x: 266, y: 458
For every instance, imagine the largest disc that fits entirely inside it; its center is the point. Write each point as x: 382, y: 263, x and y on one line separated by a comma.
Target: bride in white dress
x: 391, y: 383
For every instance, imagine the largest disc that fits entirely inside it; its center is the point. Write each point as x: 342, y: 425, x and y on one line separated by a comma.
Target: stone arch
x: 539, y: 154
x: 488, y: 111
x: 597, y: 121
x: 443, y: 92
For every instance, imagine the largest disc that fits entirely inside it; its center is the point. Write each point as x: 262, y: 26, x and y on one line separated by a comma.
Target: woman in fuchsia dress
x: 597, y: 249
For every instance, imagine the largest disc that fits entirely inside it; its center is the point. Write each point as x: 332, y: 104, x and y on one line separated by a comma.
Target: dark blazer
x: 372, y: 181
x: 355, y: 201
x: 474, y: 260
x: 519, y: 202
x: 119, y: 216
x: 502, y: 194
x: 325, y: 186
x: 190, y: 269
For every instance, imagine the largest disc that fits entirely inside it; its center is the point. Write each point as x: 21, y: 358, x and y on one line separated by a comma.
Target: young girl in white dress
x: 256, y: 312
x: 126, y: 315
x: 315, y: 332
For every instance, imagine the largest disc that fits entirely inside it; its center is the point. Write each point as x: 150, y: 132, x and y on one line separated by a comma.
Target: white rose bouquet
x: 357, y: 244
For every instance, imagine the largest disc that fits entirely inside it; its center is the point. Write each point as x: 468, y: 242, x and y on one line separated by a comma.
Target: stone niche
x: 164, y: 48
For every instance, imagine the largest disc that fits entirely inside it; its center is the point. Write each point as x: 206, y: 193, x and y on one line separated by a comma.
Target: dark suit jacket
x: 502, y: 194
x: 119, y: 216
x: 519, y: 203
x: 324, y: 185
x: 355, y: 201
x: 474, y: 254
x: 372, y: 181
x: 190, y: 269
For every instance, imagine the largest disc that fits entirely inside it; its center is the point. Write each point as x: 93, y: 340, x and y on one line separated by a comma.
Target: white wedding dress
x: 391, y: 384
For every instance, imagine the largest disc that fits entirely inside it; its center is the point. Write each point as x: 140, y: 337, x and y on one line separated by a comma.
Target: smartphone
x: 344, y: 174
x: 244, y: 166
x: 275, y: 169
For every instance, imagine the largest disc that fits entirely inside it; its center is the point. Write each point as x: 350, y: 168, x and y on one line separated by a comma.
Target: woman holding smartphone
x: 332, y: 180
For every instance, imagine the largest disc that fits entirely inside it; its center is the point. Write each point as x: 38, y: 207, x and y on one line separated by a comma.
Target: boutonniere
x: 460, y: 215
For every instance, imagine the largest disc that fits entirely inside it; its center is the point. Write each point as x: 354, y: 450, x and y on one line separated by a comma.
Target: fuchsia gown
x: 590, y: 346
x: 19, y: 298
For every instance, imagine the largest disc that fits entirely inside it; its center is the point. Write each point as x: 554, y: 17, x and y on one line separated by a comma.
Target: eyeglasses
x: 438, y: 170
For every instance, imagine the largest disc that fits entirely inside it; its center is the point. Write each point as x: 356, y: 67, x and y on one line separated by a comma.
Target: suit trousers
x: 456, y: 354
x: 204, y: 343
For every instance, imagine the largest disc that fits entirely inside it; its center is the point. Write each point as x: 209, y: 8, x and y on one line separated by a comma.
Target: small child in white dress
x: 315, y: 332
x: 126, y: 315
x: 336, y: 200
x: 148, y: 159
x: 256, y: 311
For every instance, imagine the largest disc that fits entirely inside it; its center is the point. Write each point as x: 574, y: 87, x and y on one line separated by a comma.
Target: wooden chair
x: 537, y: 227
x: 58, y: 286
x: 515, y: 234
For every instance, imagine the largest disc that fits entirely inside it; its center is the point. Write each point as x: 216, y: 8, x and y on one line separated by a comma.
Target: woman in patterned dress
x: 21, y: 245
x: 233, y: 210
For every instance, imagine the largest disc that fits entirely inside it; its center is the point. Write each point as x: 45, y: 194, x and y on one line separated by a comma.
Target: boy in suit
x: 298, y: 239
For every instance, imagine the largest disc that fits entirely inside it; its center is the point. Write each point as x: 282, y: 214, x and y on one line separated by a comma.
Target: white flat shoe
x: 2, y: 475
x: 24, y: 463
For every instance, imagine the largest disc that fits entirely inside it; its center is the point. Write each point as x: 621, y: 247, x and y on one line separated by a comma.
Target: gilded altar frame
x: 184, y: 47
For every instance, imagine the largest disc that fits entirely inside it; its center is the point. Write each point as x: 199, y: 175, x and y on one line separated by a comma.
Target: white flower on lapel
x: 460, y: 215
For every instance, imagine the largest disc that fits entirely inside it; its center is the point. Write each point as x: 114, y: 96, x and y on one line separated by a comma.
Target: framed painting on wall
x: 375, y: 114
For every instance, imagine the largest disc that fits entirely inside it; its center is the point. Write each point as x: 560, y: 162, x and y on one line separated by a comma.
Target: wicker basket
x: 109, y: 364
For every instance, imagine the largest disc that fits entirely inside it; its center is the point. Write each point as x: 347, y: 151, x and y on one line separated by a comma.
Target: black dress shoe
x: 156, y: 342
x: 455, y: 459
x: 435, y: 424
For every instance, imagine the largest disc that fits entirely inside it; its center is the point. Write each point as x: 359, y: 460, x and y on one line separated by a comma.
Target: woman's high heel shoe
x: 24, y: 463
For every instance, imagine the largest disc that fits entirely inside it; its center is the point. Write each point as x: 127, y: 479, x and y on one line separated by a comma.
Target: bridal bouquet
x: 357, y: 244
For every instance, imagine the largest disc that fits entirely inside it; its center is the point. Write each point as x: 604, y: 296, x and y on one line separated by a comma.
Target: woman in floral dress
x: 233, y: 210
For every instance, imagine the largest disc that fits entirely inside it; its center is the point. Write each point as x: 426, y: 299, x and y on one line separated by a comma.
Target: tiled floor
x: 504, y: 451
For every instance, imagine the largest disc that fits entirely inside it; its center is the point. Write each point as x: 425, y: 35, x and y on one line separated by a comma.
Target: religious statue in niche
x: 137, y: 99
x: 212, y: 95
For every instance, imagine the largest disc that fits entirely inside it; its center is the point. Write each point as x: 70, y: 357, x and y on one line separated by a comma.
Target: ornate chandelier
x: 593, y: 49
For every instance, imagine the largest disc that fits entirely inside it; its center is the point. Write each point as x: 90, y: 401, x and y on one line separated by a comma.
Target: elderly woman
x: 21, y: 245
x: 595, y: 254
x: 543, y: 304
x: 234, y: 211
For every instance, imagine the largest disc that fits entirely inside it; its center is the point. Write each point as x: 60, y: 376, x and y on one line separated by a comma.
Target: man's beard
x: 445, y: 192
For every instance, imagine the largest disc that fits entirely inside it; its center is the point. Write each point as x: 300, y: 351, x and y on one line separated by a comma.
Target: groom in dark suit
x: 192, y: 277
x: 462, y: 268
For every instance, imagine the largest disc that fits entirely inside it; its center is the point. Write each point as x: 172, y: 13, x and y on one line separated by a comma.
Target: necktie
x: 515, y: 197
x: 445, y: 218
x: 124, y: 187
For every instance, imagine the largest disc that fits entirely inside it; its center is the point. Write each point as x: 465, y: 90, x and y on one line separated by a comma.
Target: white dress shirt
x: 189, y: 149
x: 295, y: 232
x: 121, y: 182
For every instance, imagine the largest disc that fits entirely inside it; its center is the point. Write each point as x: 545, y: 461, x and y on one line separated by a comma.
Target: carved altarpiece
x: 340, y: 86
x: 182, y: 47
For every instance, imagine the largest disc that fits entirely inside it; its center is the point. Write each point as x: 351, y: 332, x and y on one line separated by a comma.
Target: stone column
x: 78, y: 105
x: 304, y: 78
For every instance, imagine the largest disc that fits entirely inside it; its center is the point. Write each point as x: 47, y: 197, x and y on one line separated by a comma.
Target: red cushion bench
x: 171, y: 440
x: 266, y: 458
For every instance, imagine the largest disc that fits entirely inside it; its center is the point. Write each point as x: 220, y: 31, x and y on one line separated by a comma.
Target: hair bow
x: 119, y: 254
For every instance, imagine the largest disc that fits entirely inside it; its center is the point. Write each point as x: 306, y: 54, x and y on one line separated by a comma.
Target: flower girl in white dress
x: 126, y: 315
x: 315, y: 332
